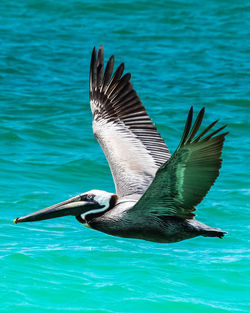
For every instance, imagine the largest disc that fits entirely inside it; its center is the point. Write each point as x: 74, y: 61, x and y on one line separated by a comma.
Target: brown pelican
x: 156, y: 193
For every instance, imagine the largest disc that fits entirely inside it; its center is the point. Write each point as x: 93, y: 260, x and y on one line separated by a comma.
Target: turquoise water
x: 180, y: 54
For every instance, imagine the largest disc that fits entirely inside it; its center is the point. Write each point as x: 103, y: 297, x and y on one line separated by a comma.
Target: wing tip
x: 187, y: 127
x: 101, y: 54
x: 190, y: 131
x: 92, y: 71
x: 212, y: 135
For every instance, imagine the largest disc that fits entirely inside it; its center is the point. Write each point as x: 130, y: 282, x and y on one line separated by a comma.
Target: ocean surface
x: 180, y: 54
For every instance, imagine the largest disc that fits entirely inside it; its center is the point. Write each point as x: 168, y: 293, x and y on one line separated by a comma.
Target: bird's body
x: 165, y: 229
x: 156, y: 193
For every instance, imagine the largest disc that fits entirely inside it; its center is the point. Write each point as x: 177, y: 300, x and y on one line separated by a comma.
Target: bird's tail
x: 213, y: 232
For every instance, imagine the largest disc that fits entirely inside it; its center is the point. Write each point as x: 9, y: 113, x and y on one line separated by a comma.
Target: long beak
x: 68, y: 207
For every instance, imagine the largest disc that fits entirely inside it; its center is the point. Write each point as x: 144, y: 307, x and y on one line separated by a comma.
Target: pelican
x: 156, y: 193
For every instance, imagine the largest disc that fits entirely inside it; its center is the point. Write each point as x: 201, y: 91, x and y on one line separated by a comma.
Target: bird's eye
x: 87, y: 197
x: 90, y: 197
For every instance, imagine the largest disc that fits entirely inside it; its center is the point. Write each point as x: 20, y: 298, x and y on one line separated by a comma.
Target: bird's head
x: 91, y: 202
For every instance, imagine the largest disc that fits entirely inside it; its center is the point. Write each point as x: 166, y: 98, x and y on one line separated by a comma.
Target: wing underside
x: 130, y: 141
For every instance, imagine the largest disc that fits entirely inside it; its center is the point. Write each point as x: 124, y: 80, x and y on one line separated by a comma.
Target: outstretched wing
x: 130, y: 141
x: 182, y: 182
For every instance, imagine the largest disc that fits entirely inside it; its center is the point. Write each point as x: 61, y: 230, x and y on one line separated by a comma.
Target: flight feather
x: 130, y: 141
x: 183, y: 181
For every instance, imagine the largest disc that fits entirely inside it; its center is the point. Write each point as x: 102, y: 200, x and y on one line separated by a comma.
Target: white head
x: 104, y: 200
x: 102, y: 197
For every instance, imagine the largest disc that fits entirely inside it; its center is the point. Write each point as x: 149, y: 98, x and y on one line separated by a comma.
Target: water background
x: 180, y: 54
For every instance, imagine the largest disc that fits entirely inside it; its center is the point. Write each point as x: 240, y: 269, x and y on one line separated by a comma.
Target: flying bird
x: 156, y: 193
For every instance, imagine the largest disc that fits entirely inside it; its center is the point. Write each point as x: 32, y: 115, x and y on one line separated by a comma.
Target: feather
x: 184, y: 180
x: 129, y: 139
